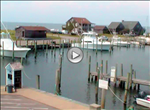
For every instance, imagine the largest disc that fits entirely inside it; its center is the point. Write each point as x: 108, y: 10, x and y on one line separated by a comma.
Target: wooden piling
x: 83, y: 43
x: 47, y: 48
x: 96, y: 45
x: 89, y: 72
x: 52, y: 46
x: 57, y: 82
x: 134, y: 76
x: 35, y: 49
x: 20, y: 43
x: 130, y: 82
x: 101, y: 66
x: 93, y: 44
x: 97, y: 82
x: 101, y: 44
x: 21, y: 60
x: 43, y: 45
x: 60, y: 68
x: 138, y: 87
x: 38, y: 81
x: 13, y: 52
x: 116, y: 76
x: 121, y: 73
x: 16, y: 42
x: 63, y: 48
x: 106, y: 67
x: 126, y: 88
x: 3, y: 49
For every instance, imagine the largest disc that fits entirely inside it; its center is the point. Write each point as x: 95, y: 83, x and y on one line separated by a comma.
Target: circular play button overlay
x: 75, y: 55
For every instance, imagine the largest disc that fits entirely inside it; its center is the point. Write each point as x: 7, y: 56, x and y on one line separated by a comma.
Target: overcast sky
x: 101, y: 13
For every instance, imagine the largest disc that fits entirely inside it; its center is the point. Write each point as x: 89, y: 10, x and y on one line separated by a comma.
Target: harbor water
x: 75, y: 76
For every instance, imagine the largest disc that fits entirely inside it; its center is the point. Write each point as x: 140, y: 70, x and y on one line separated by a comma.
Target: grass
x: 66, y: 35
x: 11, y: 32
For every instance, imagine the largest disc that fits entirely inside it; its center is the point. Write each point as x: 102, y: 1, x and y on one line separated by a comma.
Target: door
x: 17, y: 79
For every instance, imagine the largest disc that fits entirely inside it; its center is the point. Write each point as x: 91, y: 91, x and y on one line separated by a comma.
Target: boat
x: 7, y: 50
x: 143, y: 98
x: 144, y: 102
x: 8, y: 47
x: 89, y: 40
x: 116, y: 41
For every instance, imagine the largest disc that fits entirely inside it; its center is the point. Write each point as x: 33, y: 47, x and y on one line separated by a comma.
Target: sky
x: 98, y: 12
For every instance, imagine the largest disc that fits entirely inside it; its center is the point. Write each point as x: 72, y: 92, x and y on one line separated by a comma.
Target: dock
x: 38, y: 99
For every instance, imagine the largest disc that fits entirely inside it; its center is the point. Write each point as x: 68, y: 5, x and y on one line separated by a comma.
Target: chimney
x: 122, y: 20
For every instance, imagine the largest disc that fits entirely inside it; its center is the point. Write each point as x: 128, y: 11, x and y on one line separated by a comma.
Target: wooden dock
x: 122, y: 78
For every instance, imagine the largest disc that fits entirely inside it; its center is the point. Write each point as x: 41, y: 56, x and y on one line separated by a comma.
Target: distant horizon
x: 56, y: 23
x: 58, y: 12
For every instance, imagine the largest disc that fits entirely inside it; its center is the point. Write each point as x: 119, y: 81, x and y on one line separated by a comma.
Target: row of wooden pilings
x: 100, y: 75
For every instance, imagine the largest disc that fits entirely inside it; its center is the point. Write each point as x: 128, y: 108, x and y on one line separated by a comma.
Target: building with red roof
x: 28, y: 32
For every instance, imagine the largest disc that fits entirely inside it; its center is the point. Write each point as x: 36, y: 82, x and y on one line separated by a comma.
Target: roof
x: 16, y: 66
x: 34, y: 28
x: 113, y: 25
x: 81, y: 20
x: 99, y: 27
x: 129, y: 24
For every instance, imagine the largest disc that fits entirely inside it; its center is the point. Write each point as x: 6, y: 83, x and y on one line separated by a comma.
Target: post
x: 126, y: 88
x: 96, y: 45
x: 101, y: 66
x: 101, y: 44
x: 115, y: 76
x: 96, y: 66
x: 20, y: 43
x: 63, y: 48
x: 121, y: 70
x: 97, y: 82
x: 130, y: 83
x: 26, y: 43
x: 83, y: 43
x: 93, y: 44
x: 35, y: 49
x: 52, y: 46
x: 16, y: 43
x: 106, y: 66
x: 89, y: 72
x: 47, y: 48
x: 13, y: 52
x: 21, y: 60
x: 43, y: 44
x: 60, y: 68
x: 68, y: 43
x: 3, y: 49
x: 103, y: 96
x: 38, y: 81
x: 57, y: 82
x: 134, y: 76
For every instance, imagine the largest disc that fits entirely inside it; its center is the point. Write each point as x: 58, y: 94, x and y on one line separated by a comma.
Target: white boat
x: 143, y: 102
x: 90, y: 41
x: 116, y: 41
x: 7, y: 50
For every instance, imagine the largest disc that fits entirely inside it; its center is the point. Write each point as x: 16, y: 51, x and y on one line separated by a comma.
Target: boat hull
x: 121, y: 44
x: 17, y: 54
x: 143, y: 102
x: 91, y: 46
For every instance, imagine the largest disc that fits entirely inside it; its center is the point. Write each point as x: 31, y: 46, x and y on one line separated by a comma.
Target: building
x: 116, y: 27
x: 134, y: 27
x: 101, y: 29
x: 78, y: 25
x: 129, y: 27
x: 29, y: 32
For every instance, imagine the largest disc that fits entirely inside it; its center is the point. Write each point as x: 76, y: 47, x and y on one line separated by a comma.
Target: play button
x: 75, y: 55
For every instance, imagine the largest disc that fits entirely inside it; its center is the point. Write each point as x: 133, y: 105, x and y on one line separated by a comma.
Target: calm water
x: 74, y: 76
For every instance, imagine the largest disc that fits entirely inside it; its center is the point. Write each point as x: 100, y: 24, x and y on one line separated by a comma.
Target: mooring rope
x: 115, y: 95
x: 26, y: 74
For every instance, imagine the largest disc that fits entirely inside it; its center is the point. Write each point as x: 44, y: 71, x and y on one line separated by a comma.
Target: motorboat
x: 6, y: 47
x: 143, y: 98
x: 89, y: 40
x: 116, y: 41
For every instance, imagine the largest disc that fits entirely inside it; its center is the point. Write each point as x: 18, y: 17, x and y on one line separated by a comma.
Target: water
x: 12, y: 25
x: 74, y: 76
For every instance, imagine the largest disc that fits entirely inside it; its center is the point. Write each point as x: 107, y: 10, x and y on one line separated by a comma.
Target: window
x: 10, y: 76
x: 22, y: 33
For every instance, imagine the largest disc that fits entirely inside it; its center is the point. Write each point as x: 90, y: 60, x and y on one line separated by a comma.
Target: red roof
x: 99, y: 27
x: 35, y: 28
x: 81, y: 20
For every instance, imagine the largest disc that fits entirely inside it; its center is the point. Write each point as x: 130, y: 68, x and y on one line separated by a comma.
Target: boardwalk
x: 41, y: 99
